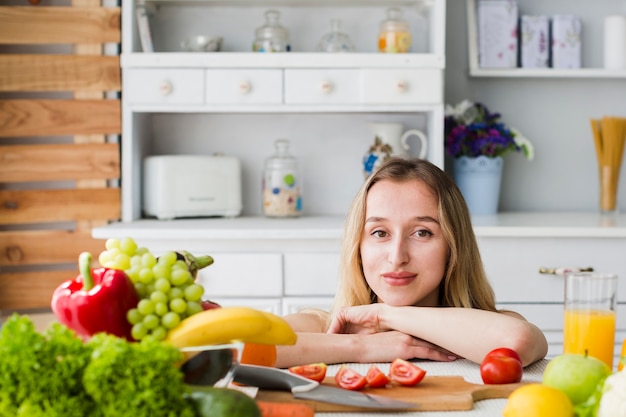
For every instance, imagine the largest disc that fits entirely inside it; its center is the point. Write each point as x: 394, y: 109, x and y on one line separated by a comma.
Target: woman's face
x: 403, y: 251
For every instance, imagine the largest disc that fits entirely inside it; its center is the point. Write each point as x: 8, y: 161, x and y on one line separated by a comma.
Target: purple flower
x: 472, y: 130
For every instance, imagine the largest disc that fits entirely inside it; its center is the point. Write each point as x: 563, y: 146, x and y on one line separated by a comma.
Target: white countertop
x: 467, y: 369
x: 522, y: 224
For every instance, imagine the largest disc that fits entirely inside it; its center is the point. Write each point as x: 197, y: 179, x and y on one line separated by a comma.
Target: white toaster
x: 191, y: 186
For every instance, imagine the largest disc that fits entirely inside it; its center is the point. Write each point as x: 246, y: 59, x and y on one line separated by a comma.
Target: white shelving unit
x: 365, y: 84
x: 476, y: 71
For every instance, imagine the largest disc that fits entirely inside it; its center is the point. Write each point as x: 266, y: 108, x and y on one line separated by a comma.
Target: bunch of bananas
x: 230, y: 324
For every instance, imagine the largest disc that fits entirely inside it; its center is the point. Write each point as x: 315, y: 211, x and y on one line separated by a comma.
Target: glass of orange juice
x: 589, y: 317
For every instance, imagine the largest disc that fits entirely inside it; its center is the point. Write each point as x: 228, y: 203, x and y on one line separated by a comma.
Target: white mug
x: 393, y: 134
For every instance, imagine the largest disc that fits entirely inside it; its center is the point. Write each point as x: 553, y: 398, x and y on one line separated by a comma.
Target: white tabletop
x: 467, y: 369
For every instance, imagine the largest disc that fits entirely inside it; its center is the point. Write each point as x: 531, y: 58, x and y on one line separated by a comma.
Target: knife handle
x: 268, y: 378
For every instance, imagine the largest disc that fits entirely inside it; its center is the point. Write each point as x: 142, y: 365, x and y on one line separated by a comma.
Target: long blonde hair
x: 464, y: 283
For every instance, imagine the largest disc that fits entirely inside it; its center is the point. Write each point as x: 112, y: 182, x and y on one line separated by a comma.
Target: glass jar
x: 335, y: 40
x: 394, y: 35
x: 282, y: 188
x: 271, y: 37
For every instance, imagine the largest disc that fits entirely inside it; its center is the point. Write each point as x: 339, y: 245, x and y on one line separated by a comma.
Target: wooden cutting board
x: 434, y: 393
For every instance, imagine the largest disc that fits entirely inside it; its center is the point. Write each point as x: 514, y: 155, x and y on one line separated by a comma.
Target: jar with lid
x: 271, y: 37
x: 335, y: 40
x: 394, y: 35
x: 282, y: 187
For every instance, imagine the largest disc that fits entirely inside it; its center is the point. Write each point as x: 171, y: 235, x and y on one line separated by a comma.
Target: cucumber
x: 222, y: 402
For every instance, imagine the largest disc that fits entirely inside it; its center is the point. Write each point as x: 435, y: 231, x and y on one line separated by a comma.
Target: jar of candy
x: 394, y: 35
x: 271, y: 37
x: 282, y: 187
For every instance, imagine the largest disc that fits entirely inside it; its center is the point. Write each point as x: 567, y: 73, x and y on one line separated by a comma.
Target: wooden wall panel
x: 59, y: 73
x: 59, y: 162
x: 52, y: 192
x: 59, y: 117
x: 56, y: 25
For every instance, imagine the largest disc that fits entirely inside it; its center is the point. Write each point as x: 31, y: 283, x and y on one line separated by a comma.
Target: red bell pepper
x: 95, y: 301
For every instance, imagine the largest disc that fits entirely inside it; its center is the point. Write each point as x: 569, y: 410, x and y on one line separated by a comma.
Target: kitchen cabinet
x: 592, y: 41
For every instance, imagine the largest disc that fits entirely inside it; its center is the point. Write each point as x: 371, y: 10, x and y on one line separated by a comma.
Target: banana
x: 230, y: 324
x: 280, y: 332
x: 219, y: 325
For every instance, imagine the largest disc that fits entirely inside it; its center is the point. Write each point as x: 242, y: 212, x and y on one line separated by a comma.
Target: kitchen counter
x: 467, y: 369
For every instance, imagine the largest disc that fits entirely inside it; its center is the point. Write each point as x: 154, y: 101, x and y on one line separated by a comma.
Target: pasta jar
x: 271, y: 37
x: 394, y: 35
x: 282, y: 188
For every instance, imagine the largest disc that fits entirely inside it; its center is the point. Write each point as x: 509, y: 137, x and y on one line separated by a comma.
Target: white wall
x: 553, y: 113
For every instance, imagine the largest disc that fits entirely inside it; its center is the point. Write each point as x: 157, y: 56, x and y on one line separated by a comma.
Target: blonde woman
x: 412, y: 283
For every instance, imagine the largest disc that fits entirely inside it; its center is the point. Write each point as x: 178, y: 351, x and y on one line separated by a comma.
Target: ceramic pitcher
x: 393, y: 134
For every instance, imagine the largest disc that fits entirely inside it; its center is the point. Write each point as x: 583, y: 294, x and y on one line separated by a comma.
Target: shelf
x: 548, y: 73
x: 280, y: 60
x: 509, y: 224
x: 569, y: 73
x: 275, y: 3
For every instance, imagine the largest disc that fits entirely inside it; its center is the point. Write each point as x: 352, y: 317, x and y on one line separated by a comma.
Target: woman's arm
x: 315, y: 345
x: 469, y: 333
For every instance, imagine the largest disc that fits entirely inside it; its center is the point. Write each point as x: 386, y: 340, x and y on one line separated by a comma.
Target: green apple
x: 576, y: 375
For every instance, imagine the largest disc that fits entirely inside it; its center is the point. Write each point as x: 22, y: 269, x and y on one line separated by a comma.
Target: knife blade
x: 276, y: 379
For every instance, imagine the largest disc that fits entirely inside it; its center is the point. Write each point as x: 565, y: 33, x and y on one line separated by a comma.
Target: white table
x: 467, y: 369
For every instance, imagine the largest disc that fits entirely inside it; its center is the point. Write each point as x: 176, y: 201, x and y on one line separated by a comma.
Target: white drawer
x: 243, y: 275
x: 311, y: 274
x: 322, y: 86
x: 512, y: 264
x: 388, y: 86
x: 256, y: 86
x: 272, y: 305
x: 293, y: 305
x: 164, y: 86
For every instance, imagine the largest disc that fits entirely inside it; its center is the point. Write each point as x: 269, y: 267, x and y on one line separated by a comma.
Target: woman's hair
x: 464, y: 283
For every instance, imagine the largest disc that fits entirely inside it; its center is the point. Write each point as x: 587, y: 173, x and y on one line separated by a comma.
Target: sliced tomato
x: 405, y: 373
x: 314, y: 371
x: 376, y: 378
x: 348, y: 378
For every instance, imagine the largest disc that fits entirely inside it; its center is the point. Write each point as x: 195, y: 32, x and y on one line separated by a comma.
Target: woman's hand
x: 389, y: 345
x: 363, y: 319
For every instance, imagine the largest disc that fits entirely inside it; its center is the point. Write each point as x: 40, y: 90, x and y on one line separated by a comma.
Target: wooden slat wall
x: 59, y: 167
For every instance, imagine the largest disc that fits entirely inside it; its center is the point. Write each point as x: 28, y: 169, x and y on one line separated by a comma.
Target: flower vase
x: 479, y: 180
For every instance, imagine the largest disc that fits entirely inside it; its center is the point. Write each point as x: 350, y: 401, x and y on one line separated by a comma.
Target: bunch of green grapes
x: 166, y: 288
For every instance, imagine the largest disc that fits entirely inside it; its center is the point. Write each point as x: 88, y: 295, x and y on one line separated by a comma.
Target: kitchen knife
x: 268, y: 378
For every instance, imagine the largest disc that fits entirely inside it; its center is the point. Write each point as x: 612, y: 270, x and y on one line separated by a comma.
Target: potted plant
x: 478, y: 140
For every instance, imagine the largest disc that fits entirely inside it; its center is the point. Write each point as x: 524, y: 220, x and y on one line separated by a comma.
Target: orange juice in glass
x: 589, y: 318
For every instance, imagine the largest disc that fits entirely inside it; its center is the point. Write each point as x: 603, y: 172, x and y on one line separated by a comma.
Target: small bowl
x: 212, y: 365
x: 202, y: 43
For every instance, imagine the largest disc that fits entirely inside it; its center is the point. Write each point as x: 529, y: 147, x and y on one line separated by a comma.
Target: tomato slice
x: 405, y: 373
x: 348, y: 378
x: 314, y: 371
x: 376, y: 378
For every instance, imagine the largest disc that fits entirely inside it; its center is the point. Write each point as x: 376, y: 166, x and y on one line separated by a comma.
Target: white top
x: 523, y: 224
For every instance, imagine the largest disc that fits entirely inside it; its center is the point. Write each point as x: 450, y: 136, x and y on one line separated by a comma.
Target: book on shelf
x: 143, y: 25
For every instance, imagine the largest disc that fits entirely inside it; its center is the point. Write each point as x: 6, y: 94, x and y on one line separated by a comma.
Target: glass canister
x: 394, y: 35
x: 282, y: 188
x: 271, y: 37
x: 335, y: 40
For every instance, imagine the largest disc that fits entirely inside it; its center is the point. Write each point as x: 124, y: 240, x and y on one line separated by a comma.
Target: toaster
x: 177, y: 186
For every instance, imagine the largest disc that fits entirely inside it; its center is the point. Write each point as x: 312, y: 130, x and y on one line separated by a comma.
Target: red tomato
x: 348, y: 378
x: 376, y: 378
x: 314, y: 371
x: 501, y: 366
x: 405, y: 373
x: 505, y: 352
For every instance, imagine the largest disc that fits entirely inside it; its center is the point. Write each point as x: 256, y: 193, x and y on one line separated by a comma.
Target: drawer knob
x: 244, y: 87
x: 402, y: 86
x: 165, y: 88
x: 326, y: 87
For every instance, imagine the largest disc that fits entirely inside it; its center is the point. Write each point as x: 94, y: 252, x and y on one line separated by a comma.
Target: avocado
x: 222, y: 402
